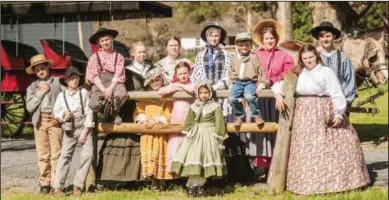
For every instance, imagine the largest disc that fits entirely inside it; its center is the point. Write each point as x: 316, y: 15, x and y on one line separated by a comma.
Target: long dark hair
x: 304, y: 49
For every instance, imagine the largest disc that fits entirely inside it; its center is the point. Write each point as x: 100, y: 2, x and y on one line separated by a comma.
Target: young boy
x: 41, y: 96
x: 105, y: 70
x: 326, y: 33
x: 72, y: 110
x: 244, y: 73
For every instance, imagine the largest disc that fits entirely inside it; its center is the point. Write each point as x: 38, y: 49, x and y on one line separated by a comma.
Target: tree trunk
x: 284, y: 17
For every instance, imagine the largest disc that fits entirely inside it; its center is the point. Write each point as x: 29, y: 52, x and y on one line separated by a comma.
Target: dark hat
x: 325, y: 26
x: 223, y: 33
x: 69, y: 71
x: 101, y: 32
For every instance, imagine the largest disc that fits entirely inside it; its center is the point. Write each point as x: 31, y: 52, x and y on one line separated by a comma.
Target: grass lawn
x: 232, y: 193
x: 372, y: 129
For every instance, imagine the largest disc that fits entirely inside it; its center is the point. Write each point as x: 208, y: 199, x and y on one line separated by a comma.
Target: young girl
x: 181, y: 106
x: 154, y: 147
x: 199, y: 156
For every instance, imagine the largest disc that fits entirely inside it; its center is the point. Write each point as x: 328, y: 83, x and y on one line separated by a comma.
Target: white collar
x: 329, y: 54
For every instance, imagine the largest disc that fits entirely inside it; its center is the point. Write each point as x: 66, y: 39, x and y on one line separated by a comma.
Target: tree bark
x: 284, y: 17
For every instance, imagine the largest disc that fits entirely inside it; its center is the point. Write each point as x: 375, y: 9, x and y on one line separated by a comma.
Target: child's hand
x: 67, y: 115
x: 45, y: 88
x: 150, y: 124
x: 84, y: 135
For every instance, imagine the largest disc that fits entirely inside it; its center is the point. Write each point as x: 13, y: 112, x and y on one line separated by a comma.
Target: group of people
x: 325, y: 152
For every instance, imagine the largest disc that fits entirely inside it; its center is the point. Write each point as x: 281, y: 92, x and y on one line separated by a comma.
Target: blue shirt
x: 346, y: 76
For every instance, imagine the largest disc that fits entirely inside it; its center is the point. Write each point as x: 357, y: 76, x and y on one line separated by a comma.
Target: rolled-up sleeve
x: 88, y: 112
x: 59, y: 108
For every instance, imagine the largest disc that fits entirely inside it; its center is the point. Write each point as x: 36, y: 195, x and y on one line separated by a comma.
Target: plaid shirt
x: 107, y: 59
x: 346, y: 76
x: 222, y: 62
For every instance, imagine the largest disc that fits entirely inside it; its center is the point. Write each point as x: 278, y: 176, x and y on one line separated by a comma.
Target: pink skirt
x: 323, y: 159
x: 173, y: 142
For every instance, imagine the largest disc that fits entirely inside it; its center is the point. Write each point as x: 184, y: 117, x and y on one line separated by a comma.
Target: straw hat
x: 266, y: 23
x: 152, y: 73
x: 36, y: 60
x: 101, y: 32
x: 292, y: 45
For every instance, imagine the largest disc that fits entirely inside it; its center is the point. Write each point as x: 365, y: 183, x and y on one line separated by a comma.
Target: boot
x: 76, y: 191
x: 238, y: 122
x: 58, y: 192
x: 259, y: 121
x: 44, y: 190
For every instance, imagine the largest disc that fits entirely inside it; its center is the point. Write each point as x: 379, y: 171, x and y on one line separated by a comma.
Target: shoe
x: 259, y: 121
x: 238, y: 122
x: 154, y: 185
x: 190, y: 191
x: 118, y: 120
x: 45, y: 190
x: 162, y: 185
x: 76, y: 191
x: 58, y: 192
x: 200, y: 192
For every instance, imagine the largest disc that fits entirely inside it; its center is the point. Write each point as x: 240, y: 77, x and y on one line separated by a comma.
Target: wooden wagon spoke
x: 9, y: 119
x: 14, y: 108
x: 16, y: 115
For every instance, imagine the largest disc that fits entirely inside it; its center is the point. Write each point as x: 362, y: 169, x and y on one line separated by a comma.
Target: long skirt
x: 260, y: 145
x: 120, y: 154
x: 200, y: 155
x: 323, y: 159
x: 238, y: 164
x: 154, y: 156
x: 173, y: 142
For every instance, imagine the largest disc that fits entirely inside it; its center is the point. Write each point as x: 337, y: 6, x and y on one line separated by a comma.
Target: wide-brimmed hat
x: 292, y: 45
x: 325, y: 26
x: 36, y: 60
x: 256, y: 33
x: 245, y: 36
x: 152, y: 73
x: 102, y: 32
x: 70, y: 71
x: 223, y: 32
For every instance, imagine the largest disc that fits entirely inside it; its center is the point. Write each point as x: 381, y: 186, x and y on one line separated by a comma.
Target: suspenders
x: 339, y: 64
x: 67, y: 105
x: 99, y: 61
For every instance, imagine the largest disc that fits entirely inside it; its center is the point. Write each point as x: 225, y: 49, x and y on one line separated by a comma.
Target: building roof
x: 53, y: 12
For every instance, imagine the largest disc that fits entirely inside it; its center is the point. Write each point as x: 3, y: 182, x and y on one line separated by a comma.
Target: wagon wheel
x: 13, y: 114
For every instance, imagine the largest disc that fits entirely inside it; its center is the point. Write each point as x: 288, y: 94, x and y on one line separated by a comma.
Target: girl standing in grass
x: 180, y: 82
x: 199, y: 156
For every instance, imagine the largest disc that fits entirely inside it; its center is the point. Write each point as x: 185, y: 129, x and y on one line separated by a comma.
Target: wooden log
x: 277, y: 174
x: 126, y: 128
x: 142, y: 95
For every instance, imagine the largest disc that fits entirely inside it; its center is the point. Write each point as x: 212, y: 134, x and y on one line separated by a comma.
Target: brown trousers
x: 48, y: 139
x: 97, y: 96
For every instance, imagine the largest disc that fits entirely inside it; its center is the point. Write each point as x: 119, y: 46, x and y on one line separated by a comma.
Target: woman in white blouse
x: 325, y: 153
x: 173, y: 57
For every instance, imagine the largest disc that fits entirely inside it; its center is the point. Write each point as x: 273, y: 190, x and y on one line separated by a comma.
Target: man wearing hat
x: 326, y: 33
x: 105, y: 70
x: 41, y: 96
x: 72, y: 110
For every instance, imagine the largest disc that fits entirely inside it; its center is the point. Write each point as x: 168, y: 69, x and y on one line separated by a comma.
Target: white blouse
x: 322, y: 81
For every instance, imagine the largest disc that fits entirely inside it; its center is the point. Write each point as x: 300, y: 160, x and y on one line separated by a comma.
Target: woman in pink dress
x: 275, y: 62
x: 181, y: 107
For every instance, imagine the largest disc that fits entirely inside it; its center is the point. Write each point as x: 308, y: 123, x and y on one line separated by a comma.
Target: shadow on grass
x: 375, y: 133
x: 373, y: 168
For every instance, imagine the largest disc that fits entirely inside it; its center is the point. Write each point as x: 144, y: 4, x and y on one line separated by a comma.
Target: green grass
x: 372, y: 128
x: 232, y: 193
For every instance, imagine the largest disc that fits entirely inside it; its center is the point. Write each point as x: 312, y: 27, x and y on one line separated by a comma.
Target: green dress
x: 200, y: 153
